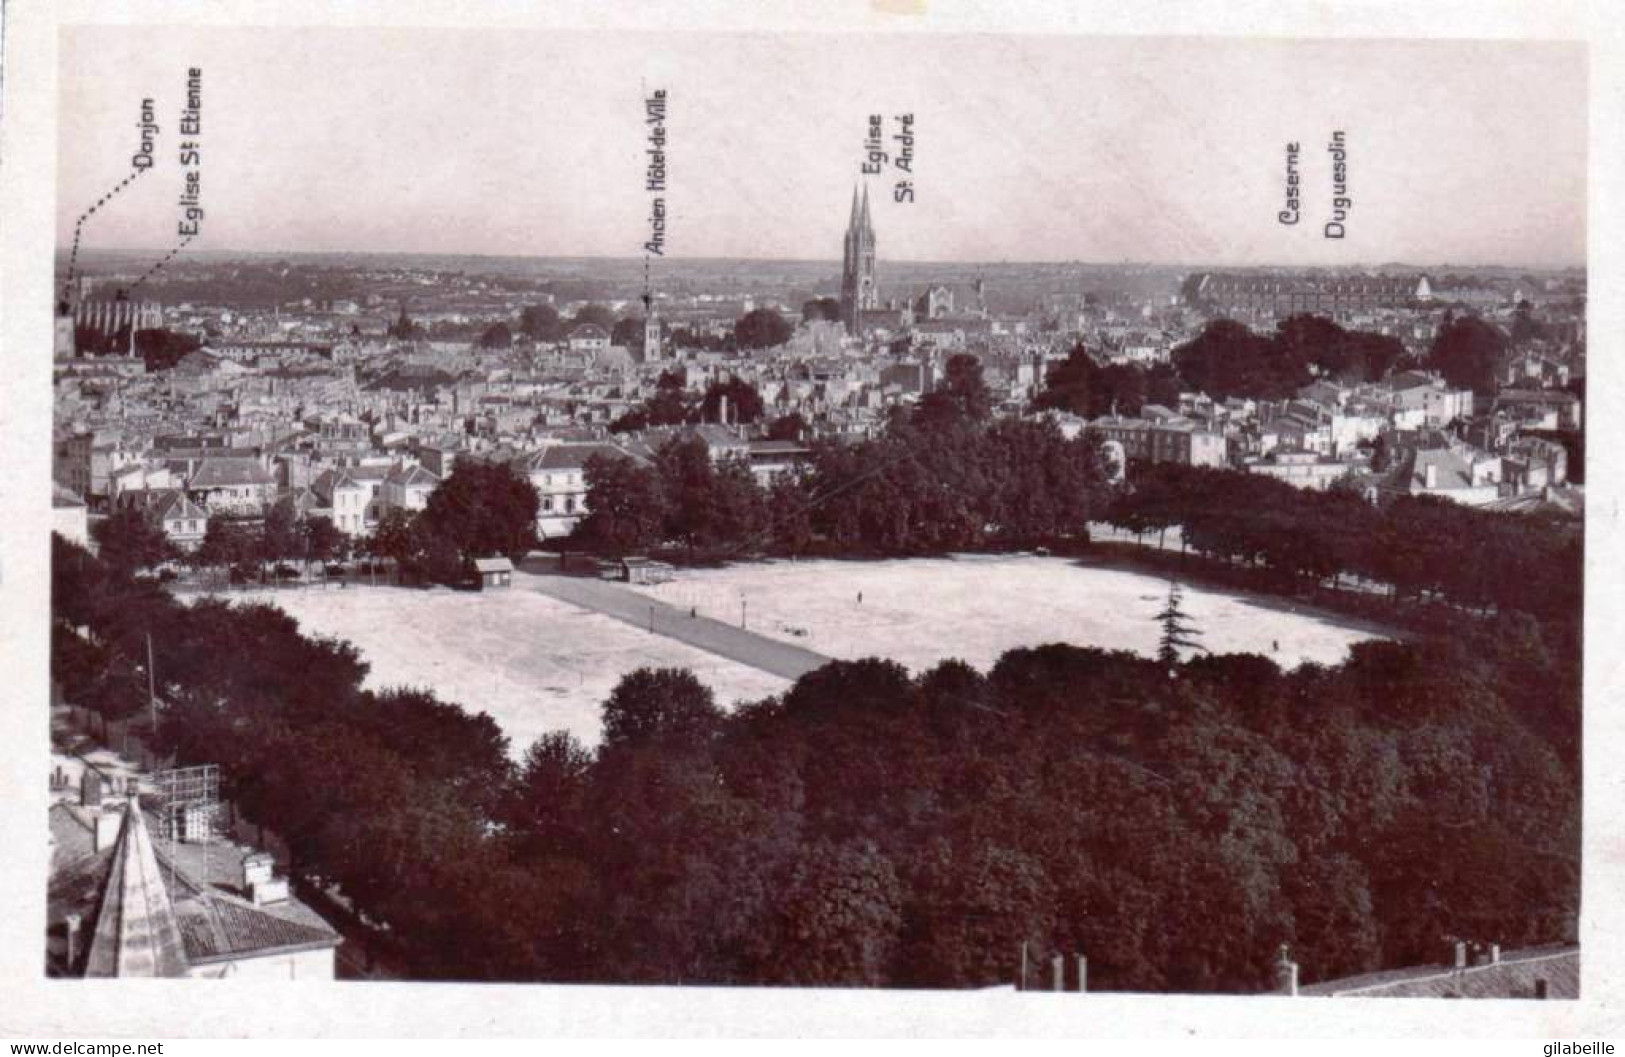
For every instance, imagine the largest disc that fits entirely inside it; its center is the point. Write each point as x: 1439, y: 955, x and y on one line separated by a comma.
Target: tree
x: 227, y: 543
x: 670, y: 405
x: 393, y: 538
x: 744, y: 402
x: 1068, y: 384
x: 540, y: 323
x: 667, y: 706
x: 961, y: 399
x: 129, y: 540
x: 161, y: 349
x: 787, y: 427
x: 626, y: 506
x: 1525, y: 327
x: 762, y: 328
x: 596, y: 314
x: 482, y: 509
x: 1227, y: 359
x: 1177, y: 631
x: 323, y: 540
x: 842, y: 913
x: 281, y: 536
x: 1468, y: 352
x: 688, y: 479
x: 496, y: 336
x: 627, y: 332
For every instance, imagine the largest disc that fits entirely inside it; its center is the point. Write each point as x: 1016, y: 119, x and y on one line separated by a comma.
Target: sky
x: 1027, y: 147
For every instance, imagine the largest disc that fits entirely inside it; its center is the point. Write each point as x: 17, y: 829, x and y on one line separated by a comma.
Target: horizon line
x: 638, y: 259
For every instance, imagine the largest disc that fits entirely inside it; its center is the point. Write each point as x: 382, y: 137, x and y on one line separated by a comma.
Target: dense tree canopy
x: 496, y: 336
x: 130, y: 540
x: 161, y: 349
x: 744, y: 402
x: 1468, y: 352
x: 541, y: 323
x: 1083, y: 387
x: 482, y: 510
x: 762, y: 328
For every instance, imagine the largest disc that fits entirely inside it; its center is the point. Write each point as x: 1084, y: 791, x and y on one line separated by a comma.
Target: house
x: 183, y: 522
x: 589, y: 337
x: 1439, y: 404
x: 1551, y: 409
x: 558, y: 472
x: 772, y: 459
x: 234, y: 486
x: 351, y: 494
x: 407, y: 488
x: 1458, y: 475
x: 1173, y: 441
x: 1533, y: 463
x: 1301, y: 469
x: 494, y: 572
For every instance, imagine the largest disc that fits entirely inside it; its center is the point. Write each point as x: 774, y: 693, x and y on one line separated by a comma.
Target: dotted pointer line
x: 79, y: 225
x: 166, y: 259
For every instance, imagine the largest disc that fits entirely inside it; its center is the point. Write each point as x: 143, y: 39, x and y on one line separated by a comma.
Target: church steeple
x: 858, y: 290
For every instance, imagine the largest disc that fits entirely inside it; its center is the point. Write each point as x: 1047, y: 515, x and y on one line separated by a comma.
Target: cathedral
x: 858, y: 291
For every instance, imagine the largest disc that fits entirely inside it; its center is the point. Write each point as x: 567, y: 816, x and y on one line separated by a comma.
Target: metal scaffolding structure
x: 187, y: 802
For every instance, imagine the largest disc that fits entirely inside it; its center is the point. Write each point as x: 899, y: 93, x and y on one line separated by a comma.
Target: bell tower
x: 858, y: 290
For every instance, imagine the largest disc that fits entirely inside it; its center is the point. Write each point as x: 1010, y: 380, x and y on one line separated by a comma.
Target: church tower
x: 651, y: 329
x: 858, y: 290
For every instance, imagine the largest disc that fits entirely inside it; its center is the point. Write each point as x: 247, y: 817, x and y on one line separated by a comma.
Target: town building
x: 1173, y: 440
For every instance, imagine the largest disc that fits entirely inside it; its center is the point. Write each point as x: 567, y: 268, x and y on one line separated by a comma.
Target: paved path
x: 713, y: 636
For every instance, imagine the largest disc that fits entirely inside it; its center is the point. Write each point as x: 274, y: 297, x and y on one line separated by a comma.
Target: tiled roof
x: 1451, y: 470
x: 220, y: 926
x: 228, y: 472
x: 178, y: 506
x: 410, y: 476
x: 569, y: 456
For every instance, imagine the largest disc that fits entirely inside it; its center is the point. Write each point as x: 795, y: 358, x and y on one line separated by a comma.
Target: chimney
x: 258, y: 868
x: 1286, y: 973
x: 71, y: 923
x: 107, y: 824
x: 90, y: 788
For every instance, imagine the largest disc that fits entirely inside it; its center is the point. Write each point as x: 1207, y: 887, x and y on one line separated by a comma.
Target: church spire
x: 136, y: 930
x: 852, y: 221
x: 868, y: 228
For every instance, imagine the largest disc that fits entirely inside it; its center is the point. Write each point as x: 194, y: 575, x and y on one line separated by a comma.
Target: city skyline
x: 1149, y: 167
